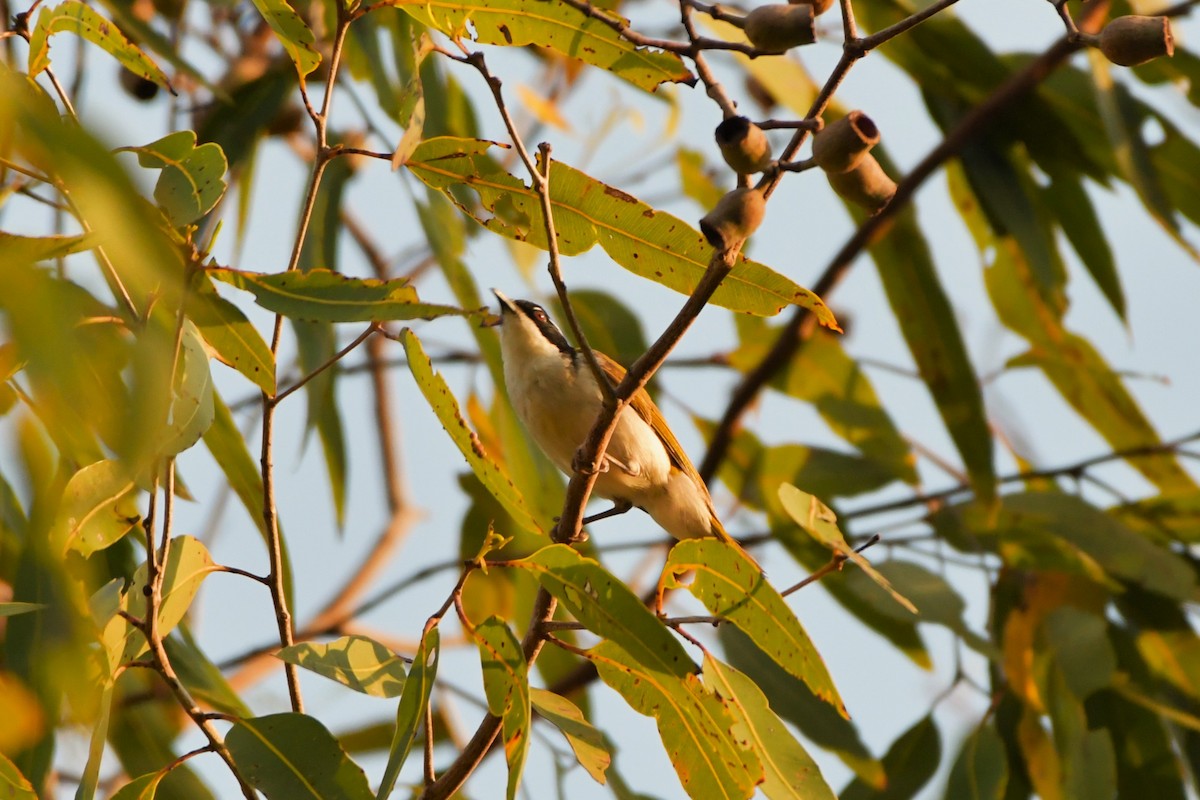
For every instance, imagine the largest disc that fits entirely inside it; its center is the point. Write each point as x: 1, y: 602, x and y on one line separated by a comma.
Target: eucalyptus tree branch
x: 159, y: 658
x: 270, y: 514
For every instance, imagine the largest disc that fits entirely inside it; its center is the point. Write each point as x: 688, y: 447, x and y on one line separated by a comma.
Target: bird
x: 555, y: 394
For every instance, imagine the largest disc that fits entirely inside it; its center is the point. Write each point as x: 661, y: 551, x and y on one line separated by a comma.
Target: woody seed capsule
x: 780, y: 27
x: 866, y: 185
x: 1133, y: 40
x: 743, y: 145
x: 841, y: 146
x: 736, y: 215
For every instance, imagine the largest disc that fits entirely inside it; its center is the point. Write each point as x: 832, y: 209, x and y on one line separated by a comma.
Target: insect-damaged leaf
x: 653, y: 244
x: 733, y: 587
x: 554, y: 25
x: 325, y: 296
x: 83, y: 21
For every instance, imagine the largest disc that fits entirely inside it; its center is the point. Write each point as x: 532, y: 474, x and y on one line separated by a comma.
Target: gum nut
x: 841, y: 146
x: 743, y: 145
x: 1133, y: 40
x: 819, y: 6
x: 780, y: 27
x: 736, y: 215
x: 866, y: 185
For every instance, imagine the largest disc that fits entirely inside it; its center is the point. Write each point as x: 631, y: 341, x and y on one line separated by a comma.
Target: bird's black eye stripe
x: 546, y: 326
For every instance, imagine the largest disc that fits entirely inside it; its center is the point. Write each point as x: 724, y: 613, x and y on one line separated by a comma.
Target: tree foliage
x: 1064, y: 599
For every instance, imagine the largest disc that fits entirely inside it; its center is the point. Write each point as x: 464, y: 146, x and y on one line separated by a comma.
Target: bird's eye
x: 539, y: 315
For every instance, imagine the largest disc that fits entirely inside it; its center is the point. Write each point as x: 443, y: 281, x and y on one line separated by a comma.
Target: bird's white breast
x: 558, y: 402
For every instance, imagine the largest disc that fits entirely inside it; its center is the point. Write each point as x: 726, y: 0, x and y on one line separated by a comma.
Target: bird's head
x: 527, y: 330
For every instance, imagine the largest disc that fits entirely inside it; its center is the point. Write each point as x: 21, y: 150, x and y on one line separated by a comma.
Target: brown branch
x: 283, y: 615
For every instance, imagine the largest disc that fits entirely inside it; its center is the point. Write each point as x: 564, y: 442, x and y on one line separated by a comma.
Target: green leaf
x: 1052, y: 531
x: 649, y: 243
x: 589, y: 745
x: 695, y: 724
x: 506, y: 684
x: 697, y: 179
x: 98, y: 507
x: 143, y: 788
x: 1172, y: 656
x: 91, y: 770
x: 819, y: 521
x: 824, y: 374
x: 981, y: 770
x: 1087, y: 757
x: 1071, y: 363
x: 909, y: 764
x: 358, y: 662
x: 297, y: 38
x: 192, y: 179
x: 1096, y: 392
x: 790, y: 770
x: 412, y: 708
x: 442, y: 401
x: 608, y: 608
x: 292, y: 757
x: 932, y: 594
x: 12, y: 609
x: 1079, y: 642
x: 233, y: 339
x: 1175, y: 516
x: 792, y: 700
x: 732, y: 587
x: 192, y: 408
x: 229, y: 450
x: 1147, y: 763
x: 1076, y: 215
x: 905, y: 266
x: 83, y: 21
x: 188, y: 564
x: 1123, y: 117
x: 754, y: 471
x: 31, y: 249
x: 13, y: 785
x: 554, y: 25
x: 324, y: 296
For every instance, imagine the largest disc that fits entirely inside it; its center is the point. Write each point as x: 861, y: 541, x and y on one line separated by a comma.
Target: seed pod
x: 819, y: 6
x: 736, y: 216
x: 744, y: 145
x: 841, y: 146
x: 866, y: 185
x: 139, y: 88
x: 1133, y: 40
x: 780, y: 27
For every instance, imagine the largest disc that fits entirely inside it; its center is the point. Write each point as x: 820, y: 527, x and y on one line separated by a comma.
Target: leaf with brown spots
x: 647, y: 242
x: 553, y: 25
x: 733, y: 588
x: 506, y: 684
x: 81, y: 20
x: 698, y: 727
x: 321, y: 295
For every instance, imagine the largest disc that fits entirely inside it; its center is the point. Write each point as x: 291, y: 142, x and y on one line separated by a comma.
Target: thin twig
x: 374, y: 327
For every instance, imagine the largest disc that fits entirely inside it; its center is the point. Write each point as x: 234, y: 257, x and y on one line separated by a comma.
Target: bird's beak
x: 506, y: 306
